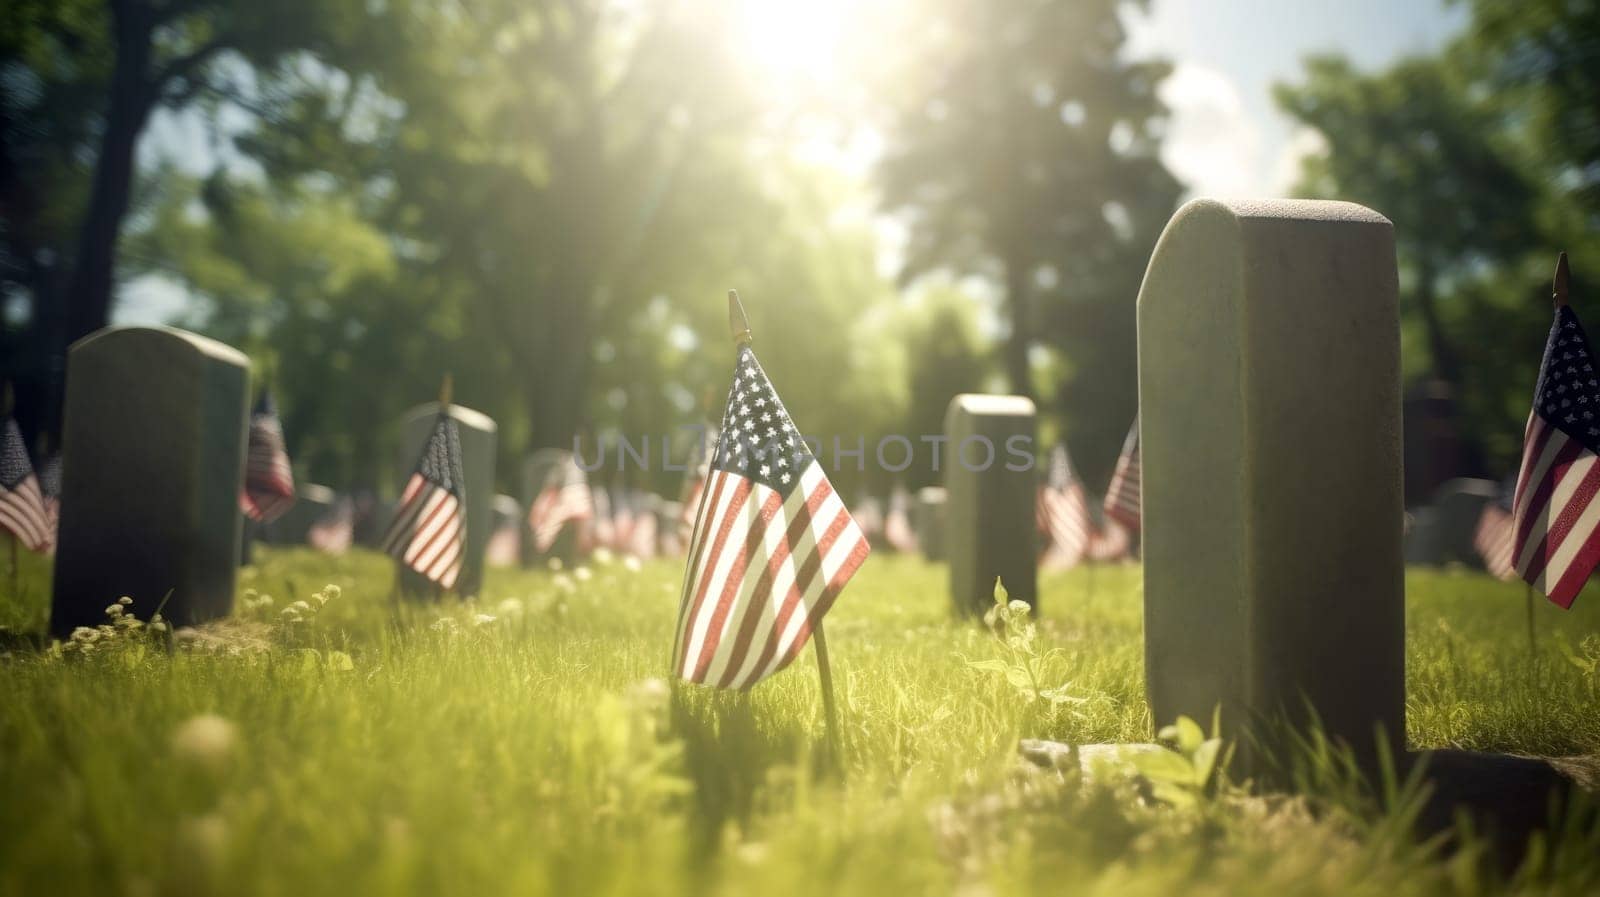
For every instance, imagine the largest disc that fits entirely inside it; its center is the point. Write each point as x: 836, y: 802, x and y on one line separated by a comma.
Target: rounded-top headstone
x: 1269, y: 392
x: 153, y: 460
x: 478, y: 435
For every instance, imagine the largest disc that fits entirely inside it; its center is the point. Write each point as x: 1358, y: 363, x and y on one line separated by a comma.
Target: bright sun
x: 795, y: 40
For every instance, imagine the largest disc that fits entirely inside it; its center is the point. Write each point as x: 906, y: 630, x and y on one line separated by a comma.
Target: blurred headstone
x: 154, y: 458
x: 1457, y: 507
x: 536, y: 469
x: 505, y: 537
x: 990, y: 518
x: 478, y: 435
x: 1269, y: 389
x: 1420, y: 543
x: 930, y: 514
x: 313, y: 502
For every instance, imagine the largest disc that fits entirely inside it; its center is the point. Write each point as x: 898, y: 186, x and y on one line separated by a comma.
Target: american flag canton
x: 1569, y: 392
x: 773, y: 545
x: 758, y: 440
x: 1556, y: 516
x: 22, y: 504
x: 429, y: 527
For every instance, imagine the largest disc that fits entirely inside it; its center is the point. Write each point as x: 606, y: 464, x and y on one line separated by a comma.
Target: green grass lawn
x: 525, y: 744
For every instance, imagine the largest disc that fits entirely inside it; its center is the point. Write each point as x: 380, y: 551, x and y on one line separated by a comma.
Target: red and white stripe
x: 428, y: 531
x: 1557, y: 519
x: 1123, y: 495
x: 1064, y: 522
x: 897, y: 531
x: 762, y: 573
x: 555, y: 507
x: 1111, y: 542
x: 1494, y: 539
x: 334, y: 532
x: 23, y: 512
x: 268, y: 480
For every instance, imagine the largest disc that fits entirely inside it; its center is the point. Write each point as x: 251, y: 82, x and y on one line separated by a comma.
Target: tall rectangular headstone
x: 928, y: 518
x: 989, y: 516
x: 153, y: 460
x: 1269, y: 389
x: 478, y: 435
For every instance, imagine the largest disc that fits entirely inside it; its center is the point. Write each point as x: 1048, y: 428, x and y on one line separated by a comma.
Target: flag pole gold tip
x: 738, y: 323
x: 445, y: 390
x: 1563, y: 278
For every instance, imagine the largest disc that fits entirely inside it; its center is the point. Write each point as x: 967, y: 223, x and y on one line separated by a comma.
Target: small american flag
x: 1122, y: 496
x: 1110, y: 542
x: 334, y: 530
x: 429, y: 526
x: 268, y: 482
x: 897, y: 529
x: 1063, y: 513
x: 773, y: 544
x: 1494, y: 538
x: 564, y: 499
x: 868, y: 513
x: 1557, y: 537
x: 22, y: 504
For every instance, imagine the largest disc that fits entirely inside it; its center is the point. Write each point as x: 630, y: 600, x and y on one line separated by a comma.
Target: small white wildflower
x: 125, y: 601
x: 583, y: 574
x: 632, y: 563
x: 510, y: 607
x: 85, y: 634
x: 301, y: 606
x: 563, y: 582
x: 482, y: 619
x: 554, y: 564
x: 603, y: 556
x: 443, y: 624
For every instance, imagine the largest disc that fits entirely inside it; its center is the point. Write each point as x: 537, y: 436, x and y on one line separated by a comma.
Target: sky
x: 1226, y: 138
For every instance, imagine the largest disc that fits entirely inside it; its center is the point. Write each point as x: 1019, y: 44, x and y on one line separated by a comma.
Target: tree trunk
x: 132, y: 96
x: 1018, y: 371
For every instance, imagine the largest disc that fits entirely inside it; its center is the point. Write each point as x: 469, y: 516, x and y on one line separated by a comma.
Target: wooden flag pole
x: 739, y: 327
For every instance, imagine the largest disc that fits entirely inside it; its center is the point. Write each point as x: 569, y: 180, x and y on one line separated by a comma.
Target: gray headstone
x: 1456, y: 508
x: 1420, y: 544
x: 311, y: 502
x: 153, y: 461
x: 1269, y: 388
x: 507, y: 511
x: 535, y: 468
x: 505, y: 538
x: 990, y: 518
x: 478, y: 434
x: 929, y: 522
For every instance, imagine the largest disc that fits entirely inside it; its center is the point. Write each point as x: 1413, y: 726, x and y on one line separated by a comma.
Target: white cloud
x: 1303, y: 143
x: 1213, y: 143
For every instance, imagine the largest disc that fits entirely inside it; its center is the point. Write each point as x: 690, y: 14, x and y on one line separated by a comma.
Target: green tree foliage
x: 554, y: 223
x: 1026, y: 150
x: 1459, y: 151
